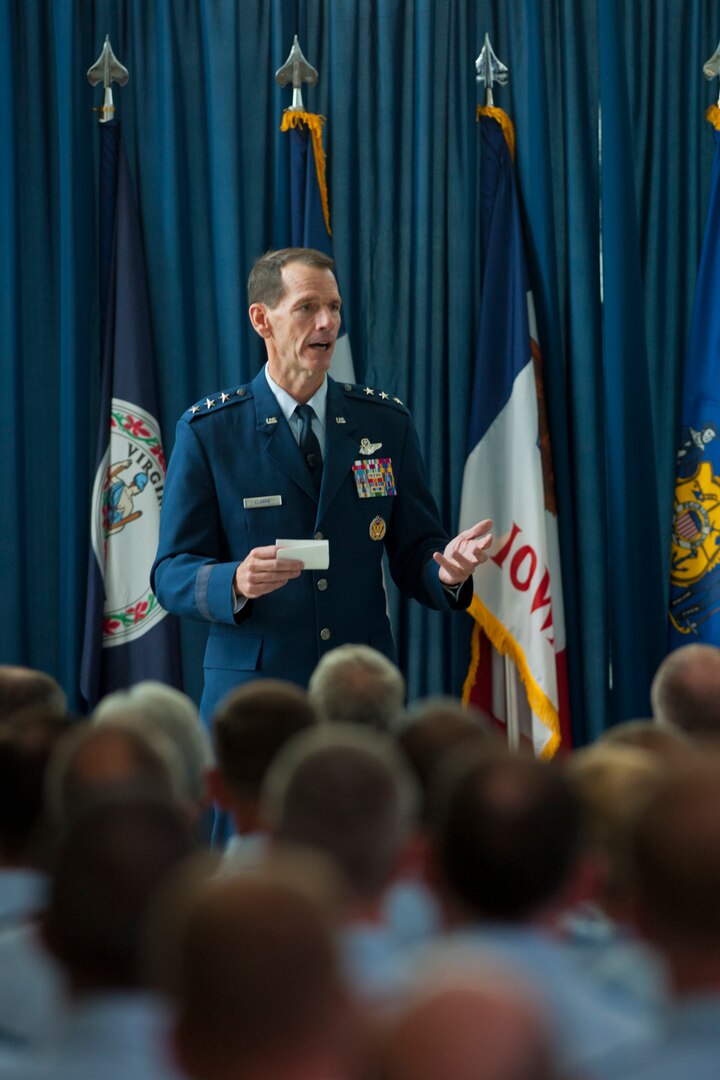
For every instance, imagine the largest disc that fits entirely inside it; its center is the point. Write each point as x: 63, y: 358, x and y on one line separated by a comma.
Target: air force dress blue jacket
x: 238, y: 480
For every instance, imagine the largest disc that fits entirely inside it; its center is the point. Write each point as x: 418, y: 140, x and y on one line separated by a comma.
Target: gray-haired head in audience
x: 358, y: 685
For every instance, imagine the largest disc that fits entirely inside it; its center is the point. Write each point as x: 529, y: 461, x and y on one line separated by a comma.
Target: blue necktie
x: 309, y: 444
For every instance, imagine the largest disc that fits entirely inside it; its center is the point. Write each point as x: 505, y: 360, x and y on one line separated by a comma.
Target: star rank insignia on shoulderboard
x: 217, y: 402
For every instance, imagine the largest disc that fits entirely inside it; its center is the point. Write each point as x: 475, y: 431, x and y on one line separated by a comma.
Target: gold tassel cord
x: 293, y: 118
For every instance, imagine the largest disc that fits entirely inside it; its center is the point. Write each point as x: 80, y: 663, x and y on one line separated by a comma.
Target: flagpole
x: 489, y: 70
x: 128, y: 636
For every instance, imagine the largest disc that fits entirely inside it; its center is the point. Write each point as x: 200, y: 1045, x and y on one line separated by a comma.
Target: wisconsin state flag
x: 695, y: 554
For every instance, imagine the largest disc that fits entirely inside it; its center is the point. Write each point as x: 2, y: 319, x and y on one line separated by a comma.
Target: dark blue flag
x: 309, y: 210
x: 128, y: 636
x: 695, y: 556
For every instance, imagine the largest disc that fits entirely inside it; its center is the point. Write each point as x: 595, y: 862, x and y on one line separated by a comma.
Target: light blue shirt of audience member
x: 32, y: 991
x: 688, y: 1047
x: 617, y: 960
x: 374, y: 961
x: 412, y: 911
x: 587, y: 1023
x: 108, y: 1036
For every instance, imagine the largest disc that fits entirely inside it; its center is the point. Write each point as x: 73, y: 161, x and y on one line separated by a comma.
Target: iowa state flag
x: 517, y: 603
x: 128, y: 636
x: 309, y: 208
x: 695, y: 554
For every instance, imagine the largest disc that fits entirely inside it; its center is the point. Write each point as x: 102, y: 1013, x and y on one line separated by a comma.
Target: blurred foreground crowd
x: 399, y: 898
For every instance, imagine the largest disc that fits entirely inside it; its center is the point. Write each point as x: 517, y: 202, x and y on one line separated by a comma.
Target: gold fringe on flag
x: 712, y: 115
x: 506, y: 645
x: 503, y: 120
x: 291, y: 119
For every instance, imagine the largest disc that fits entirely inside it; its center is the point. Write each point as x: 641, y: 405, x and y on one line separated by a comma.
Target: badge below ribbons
x: 374, y: 477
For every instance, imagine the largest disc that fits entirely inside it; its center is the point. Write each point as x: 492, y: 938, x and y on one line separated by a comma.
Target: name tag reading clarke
x: 262, y: 500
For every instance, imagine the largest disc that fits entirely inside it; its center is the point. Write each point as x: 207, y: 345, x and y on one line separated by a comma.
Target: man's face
x: 300, y: 332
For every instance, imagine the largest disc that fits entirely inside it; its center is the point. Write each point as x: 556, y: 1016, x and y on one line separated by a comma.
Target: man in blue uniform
x: 251, y: 465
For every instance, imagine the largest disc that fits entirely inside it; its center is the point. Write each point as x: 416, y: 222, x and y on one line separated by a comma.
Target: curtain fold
x: 201, y: 118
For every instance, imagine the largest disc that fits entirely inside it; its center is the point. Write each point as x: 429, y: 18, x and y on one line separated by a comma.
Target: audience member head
x: 345, y: 791
x: 685, y: 692
x: 358, y: 685
x: 433, y: 727
x: 615, y: 782
x: 506, y: 834
x: 21, y: 687
x: 677, y: 855
x: 249, y: 728
x: 27, y: 740
x: 663, y: 742
x: 110, y: 863
x: 257, y: 983
x: 92, y: 763
x: 152, y: 707
x: 468, y: 1028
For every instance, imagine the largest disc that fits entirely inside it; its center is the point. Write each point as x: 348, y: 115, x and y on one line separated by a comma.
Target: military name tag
x: 262, y: 500
x: 374, y: 477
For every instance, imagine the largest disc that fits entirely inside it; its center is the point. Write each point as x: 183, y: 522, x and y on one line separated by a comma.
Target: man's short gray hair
x: 152, y: 706
x: 358, y: 685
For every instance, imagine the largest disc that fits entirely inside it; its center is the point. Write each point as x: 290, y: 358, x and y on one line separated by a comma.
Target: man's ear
x: 259, y: 318
x: 218, y: 789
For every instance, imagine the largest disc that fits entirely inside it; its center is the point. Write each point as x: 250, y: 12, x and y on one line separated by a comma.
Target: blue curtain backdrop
x: 613, y: 161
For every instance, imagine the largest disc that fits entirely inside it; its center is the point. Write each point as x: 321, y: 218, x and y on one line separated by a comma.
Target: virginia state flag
x: 309, y: 208
x: 517, y: 603
x: 128, y: 636
x: 695, y: 553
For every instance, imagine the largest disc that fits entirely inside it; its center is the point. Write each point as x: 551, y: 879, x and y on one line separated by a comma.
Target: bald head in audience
x: 685, y: 692
x: 358, y: 685
x: 257, y: 984
x: 468, y: 1029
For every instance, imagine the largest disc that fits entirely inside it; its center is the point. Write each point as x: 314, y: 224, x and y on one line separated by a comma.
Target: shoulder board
x: 359, y: 391
x: 220, y: 400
